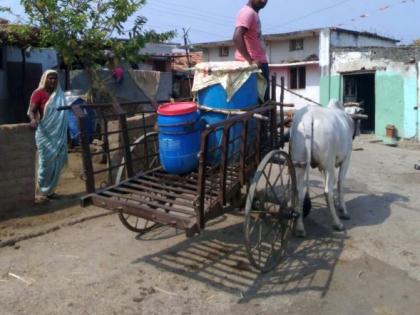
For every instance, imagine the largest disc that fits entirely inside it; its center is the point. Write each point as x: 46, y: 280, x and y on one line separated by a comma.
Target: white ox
x: 322, y: 137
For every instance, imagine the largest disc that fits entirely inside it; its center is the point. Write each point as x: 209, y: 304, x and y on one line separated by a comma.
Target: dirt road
x: 99, y: 267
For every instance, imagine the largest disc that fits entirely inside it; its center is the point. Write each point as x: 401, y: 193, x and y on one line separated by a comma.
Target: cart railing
x: 243, y: 140
x: 107, y: 148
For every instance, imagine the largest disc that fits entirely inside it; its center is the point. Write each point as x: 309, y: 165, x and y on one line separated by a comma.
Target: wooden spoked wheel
x: 145, y: 156
x: 269, y: 210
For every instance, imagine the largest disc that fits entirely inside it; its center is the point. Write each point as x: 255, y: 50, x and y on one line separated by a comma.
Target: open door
x: 22, y: 81
x: 361, y: 88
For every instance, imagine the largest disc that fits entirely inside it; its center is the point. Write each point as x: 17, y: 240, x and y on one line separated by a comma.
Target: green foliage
x: 18, y: 35
x: 5, y: 9
x: 81, y: 30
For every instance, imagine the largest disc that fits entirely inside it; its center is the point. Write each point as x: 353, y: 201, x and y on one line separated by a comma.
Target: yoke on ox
x: 322, y: 137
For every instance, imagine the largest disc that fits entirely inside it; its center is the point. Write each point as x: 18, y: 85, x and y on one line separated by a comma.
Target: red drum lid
x: 176, y: 109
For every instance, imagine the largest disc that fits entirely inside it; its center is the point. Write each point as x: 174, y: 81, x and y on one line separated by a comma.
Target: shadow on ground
x: 365, y: 208
x: 52, y: 206
x: 218, y: 258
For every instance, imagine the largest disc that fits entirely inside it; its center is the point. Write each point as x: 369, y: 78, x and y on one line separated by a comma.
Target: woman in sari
x: 51, y: 131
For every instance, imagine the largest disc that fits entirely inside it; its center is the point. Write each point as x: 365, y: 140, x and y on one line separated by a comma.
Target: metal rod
x: 181, y: 222
x: 86, y: 154
x: 165, y: 192
x: 224, y: 162
x: 106, y: 149
x: 282, y: 141
x: 202, y: 180
x: 126, y: 140
x: 243, y: 152
x: 301, y: 96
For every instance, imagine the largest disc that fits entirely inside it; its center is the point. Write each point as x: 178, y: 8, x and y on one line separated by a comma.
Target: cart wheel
x: 136, y: 224
x: 269, y: 210
x: 141, y: 163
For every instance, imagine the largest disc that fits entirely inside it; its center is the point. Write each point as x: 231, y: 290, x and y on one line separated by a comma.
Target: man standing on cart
x: 248, y: 39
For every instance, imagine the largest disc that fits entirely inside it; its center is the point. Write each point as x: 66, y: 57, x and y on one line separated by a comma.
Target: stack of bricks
x: 17, y: 167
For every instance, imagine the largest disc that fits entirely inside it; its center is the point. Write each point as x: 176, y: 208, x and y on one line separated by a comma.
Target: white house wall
x: 279, y: 51
x: 342, y: 39
x: 47, y: 57
x: 312, y: 86
x: 357, y: 61
x: 212, y: 54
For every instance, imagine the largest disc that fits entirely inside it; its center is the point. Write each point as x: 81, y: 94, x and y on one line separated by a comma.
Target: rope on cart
x: 298, y: 95
x: 354, y: 116
x: 231, y: 112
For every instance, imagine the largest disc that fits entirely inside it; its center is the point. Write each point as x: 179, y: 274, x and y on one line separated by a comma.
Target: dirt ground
x: 69, y: 260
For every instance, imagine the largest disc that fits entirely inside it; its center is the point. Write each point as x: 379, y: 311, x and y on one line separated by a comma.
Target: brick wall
x: 17, y: 166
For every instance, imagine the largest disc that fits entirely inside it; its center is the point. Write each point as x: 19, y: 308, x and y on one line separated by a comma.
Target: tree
x: 4, y: 9
x: 82, y: 30
x: 22, y: 37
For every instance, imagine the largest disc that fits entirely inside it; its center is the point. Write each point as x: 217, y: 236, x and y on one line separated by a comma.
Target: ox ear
x: 335, y: 104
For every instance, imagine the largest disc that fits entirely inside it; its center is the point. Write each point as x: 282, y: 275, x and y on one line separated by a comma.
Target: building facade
x: 20, y: 71
x: 303, y: 58
x: 385, y: 79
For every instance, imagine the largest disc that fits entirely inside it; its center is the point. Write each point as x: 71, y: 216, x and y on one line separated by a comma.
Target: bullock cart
x: 246, y: 169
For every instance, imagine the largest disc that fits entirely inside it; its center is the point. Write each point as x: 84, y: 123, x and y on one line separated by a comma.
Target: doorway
x: 360, y: 87
x: 22, y: 81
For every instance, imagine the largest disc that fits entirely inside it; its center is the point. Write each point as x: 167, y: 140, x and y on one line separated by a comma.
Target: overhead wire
x: 209, y: 13
x: 383, y: 7
x: 310, y: 14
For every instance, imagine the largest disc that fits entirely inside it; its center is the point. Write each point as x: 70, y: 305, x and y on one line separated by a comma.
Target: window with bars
x: 223, y: 51
x: 297, y: 78
x: 296, y: 44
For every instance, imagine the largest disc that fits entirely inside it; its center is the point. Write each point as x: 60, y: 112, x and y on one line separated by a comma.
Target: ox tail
x: 309, y: 133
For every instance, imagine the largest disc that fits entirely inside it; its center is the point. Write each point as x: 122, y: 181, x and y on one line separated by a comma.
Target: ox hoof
x: 300, y: 233
x: 345, y: 216
x: 338, y: 227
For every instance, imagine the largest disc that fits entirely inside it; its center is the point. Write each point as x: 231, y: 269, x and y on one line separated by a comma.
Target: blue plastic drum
x: 179, y: 137
x: 216, y: 97
x: 72, y: 98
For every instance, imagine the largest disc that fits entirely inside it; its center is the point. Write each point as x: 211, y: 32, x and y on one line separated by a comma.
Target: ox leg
x: 329, y: 196
x: 300, y: 176
x: 340, y: 187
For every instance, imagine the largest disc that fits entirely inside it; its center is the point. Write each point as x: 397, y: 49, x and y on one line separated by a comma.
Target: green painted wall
x: 396, y: 97
x: 410, y: 100
x: 330, y: 87
x: 389, y: 102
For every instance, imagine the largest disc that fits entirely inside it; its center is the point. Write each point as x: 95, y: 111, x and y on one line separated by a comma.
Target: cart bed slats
x: 183, y: 201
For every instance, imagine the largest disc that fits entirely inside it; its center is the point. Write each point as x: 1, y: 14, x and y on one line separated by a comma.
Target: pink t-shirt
x: 249, y: 19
